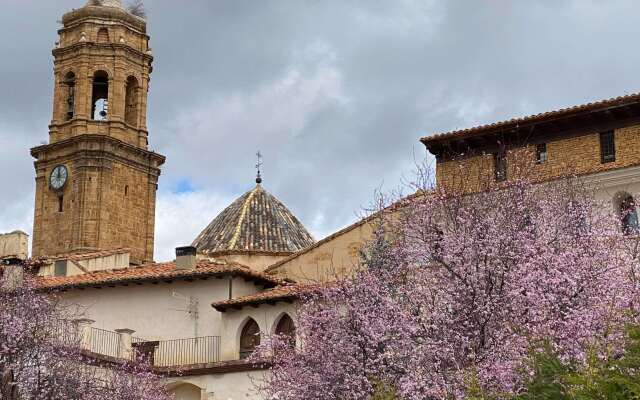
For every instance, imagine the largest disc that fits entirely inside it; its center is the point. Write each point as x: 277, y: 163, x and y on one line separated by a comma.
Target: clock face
x: 58, y: 177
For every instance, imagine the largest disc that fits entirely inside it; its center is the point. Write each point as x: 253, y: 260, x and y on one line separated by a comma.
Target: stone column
x: 83, y: 332
x: 125, y: 349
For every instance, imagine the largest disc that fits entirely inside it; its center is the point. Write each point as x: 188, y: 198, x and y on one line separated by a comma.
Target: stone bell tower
x: 96, y: 180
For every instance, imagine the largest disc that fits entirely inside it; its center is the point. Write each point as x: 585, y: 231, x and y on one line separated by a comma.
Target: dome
x: 256, y: 222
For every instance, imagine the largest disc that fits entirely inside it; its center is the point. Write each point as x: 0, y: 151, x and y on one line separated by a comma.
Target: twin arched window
x: 250, y: 335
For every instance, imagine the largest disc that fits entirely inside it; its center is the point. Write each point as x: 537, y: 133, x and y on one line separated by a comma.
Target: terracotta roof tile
x: 279, y: 293
x: 256, y: 222
x: 154, y: 272
x: 563, y: 112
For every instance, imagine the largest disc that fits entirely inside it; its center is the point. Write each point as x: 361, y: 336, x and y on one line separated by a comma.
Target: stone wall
x: 579, y: 154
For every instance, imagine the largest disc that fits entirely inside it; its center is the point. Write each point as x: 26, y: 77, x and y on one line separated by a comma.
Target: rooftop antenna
x: 258, y: 166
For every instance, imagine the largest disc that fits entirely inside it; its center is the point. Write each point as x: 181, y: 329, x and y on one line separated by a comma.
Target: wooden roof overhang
x: 540, y: 128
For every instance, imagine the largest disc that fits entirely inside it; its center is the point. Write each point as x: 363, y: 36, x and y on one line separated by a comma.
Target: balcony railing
x: 178, y: 352
x: 161, y: 353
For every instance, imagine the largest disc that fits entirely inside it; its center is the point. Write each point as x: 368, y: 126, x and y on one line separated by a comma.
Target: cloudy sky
x: 334, y: 93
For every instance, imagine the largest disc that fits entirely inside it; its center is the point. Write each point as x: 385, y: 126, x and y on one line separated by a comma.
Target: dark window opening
x: 131, y: 101
x: 103, y: 35
x: 249, y: 338
x: 60, y: 268
x: 628, y: 215
x: 70, y: 93
x: 500, y: 166
x: 287, y: 329
x: 126, y: 190
x: 60, y: 203
x: 100, y: 96
x: 607, y: 147
x: 541, y: 153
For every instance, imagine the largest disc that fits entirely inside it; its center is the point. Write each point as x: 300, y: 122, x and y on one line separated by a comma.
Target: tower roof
x: 106, y: 3
x: 256, y: 222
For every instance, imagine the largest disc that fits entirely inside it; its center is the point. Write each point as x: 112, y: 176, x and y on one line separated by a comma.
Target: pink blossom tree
x: 457, y: 290
x: 40, y: 351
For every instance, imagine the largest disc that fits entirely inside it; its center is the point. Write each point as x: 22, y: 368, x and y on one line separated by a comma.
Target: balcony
x: 122, y: 345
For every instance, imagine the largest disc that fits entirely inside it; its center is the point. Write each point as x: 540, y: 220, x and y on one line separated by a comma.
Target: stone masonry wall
x: 573, y: 155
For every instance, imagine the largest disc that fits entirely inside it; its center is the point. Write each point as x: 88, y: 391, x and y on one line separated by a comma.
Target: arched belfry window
x: 628, y: 213
x: 286, y: 329
x: 249, y: 338
x: 69, y: 84
x: 100, y: 96
x: 131, y: 101
x: 103, y: 35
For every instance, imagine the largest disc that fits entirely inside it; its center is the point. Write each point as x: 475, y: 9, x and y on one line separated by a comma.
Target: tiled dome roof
x: 255, y: 222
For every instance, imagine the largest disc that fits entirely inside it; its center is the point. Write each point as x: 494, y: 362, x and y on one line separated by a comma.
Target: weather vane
x: 258, y: 166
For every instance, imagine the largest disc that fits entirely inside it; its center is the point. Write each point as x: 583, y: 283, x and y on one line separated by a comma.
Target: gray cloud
x: 334, y: 93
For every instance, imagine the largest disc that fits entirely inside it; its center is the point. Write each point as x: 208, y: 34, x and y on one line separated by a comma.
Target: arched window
x: 100, y: 96
x: 103, y: 35
x: 131, y: 101
x: 70, y: 94
x: 286, y: 328
x: 249, y: 338
x: 628, y: 214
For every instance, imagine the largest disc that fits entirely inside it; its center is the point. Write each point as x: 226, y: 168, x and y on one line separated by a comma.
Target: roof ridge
x: 243, y: 214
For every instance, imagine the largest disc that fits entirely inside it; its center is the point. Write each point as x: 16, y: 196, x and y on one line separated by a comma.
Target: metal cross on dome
x: 258, y: 166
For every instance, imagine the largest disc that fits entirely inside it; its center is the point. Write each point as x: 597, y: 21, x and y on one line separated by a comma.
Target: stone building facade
x: 96, y: 180
x: 580, y: 140
x: 244, y: 274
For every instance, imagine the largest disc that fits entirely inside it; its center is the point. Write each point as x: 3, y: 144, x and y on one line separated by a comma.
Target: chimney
x: 186, y: 257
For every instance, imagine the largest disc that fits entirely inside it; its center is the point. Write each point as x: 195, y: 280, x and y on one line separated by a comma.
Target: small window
x: 60, y: 268
x: 607, y: 147
x: 126, y: 190
x: 249, y: 338
x: 500, y: 166
x: 60, y: 203
x: 103, y: 35
x: 541, y: 153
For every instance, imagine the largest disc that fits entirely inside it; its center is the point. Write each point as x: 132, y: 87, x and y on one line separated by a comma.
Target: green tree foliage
x: 614, y: 376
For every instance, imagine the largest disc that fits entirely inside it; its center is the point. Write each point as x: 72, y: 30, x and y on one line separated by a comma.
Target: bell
x: 103, y: 114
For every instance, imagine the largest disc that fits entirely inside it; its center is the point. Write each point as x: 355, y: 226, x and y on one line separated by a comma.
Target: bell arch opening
x: 100, y: 96
x: 131, y: 101
x: 69, y: 85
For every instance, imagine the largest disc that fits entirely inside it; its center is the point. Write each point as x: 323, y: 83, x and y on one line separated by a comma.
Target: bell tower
x: 96, y: 180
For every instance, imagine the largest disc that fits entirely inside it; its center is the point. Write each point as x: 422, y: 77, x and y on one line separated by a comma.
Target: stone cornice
x: 616, y: 177
x: 74, y: 47
x: 103, y: 13
x: 81, y: 143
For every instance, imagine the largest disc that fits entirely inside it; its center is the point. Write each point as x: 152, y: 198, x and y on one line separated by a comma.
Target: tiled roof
x: 154, y: 273
x: 255, y: 223
x: 279, y: 293
x: 535, y: 118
